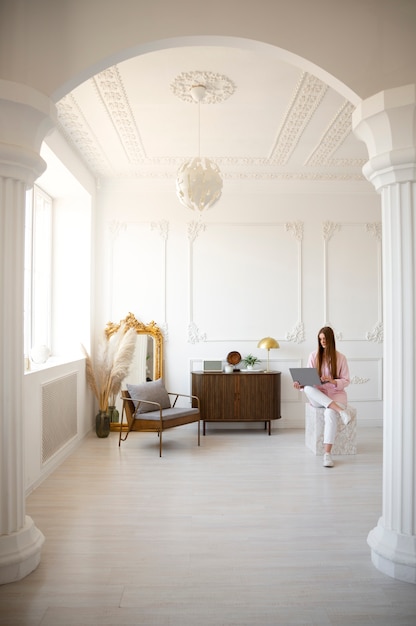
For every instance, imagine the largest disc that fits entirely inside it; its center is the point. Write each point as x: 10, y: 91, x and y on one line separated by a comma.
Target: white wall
x: 73, y: 189
x: 261, y: 262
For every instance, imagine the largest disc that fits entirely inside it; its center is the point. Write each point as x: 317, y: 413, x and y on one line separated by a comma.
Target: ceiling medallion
x: 218, y: 87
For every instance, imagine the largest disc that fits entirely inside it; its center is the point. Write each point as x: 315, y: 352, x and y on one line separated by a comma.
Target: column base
x: 393, y: 554
x: 20, y: 552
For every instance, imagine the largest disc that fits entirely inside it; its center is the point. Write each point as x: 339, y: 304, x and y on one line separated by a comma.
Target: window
x: 38, y: 270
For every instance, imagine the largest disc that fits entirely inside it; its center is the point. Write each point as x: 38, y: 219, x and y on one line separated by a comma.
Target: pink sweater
x: 335, y: 392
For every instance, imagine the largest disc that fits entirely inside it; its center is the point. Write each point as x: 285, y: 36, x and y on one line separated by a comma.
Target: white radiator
x: 59, y: 414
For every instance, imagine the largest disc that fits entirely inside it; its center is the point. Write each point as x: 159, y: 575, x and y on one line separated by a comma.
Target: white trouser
x: 318, y: 399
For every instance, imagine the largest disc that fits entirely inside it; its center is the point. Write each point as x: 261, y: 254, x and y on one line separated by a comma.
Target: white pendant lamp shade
x: 198, y: 184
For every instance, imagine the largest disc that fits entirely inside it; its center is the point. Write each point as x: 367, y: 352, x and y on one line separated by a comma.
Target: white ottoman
x: 346, y: 439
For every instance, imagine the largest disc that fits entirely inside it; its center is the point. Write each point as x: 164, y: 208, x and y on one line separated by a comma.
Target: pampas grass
x: 111, y: 366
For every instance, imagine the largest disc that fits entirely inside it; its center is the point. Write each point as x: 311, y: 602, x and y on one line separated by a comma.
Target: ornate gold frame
x: 151, y: 329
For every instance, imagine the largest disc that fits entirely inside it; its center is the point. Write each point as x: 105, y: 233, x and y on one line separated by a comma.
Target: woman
x: 333, y: 371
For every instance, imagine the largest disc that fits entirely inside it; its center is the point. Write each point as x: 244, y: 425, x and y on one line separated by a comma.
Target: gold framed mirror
x: 148, y: 358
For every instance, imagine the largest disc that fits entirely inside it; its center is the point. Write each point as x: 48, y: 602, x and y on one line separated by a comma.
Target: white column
x: 27, y: 116
x: 386, y: 122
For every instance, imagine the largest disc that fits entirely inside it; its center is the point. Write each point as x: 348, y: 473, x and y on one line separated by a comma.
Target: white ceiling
x: 279, y: 123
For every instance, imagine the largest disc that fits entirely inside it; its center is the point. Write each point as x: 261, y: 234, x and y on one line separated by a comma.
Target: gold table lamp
x: 268, y: 343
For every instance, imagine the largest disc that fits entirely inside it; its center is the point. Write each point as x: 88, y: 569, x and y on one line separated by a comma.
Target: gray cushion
x: 154, y: 391
x: 169, y: 414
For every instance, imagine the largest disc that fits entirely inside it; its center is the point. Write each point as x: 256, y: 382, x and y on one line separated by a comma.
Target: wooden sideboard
x: 238, y: 397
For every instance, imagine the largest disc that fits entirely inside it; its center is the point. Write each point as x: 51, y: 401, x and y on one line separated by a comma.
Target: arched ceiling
x: 279, y: 123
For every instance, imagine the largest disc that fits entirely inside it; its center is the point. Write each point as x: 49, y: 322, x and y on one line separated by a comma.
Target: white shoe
x: 328, y: 462
x: 345, y: 416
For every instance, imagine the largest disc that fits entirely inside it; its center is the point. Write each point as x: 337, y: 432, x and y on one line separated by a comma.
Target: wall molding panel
x: 366, y: 380
x: 353, y: 280
x: 194, y: 334
x: 137, y: 260
x: 297, y: 334
x: 377, y: 333
x: 245, y: 268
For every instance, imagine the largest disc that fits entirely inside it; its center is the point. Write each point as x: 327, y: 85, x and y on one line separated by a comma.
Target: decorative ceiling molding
x: 218, y: 87
x: 295, y: 175
x: 333, y: 138
x: 306, y: 99
x: 100, y: 122
x: 170, y: 174
x: 112, y: 93
x: 77, y: 131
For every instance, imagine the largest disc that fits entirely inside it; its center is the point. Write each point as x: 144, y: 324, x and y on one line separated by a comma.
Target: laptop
x: 305, y: 376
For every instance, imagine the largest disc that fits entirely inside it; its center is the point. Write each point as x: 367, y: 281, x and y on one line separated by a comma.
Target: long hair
x: 329, y: 354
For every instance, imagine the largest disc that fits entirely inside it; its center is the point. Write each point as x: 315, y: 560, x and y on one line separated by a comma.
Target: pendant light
x: 199, y: 180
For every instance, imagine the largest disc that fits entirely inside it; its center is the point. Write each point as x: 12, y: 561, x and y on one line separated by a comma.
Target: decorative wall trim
x: 375, y: 229
x: 194, y: 336
x: 329, y: 229
x: 194, y: 230
x: 297, y: 333
x: 162, y: 227
x: 366, y: 383
x: 358, y: 380
x: 115, y: 229
x: 377, y: 334
x: 296, y: 229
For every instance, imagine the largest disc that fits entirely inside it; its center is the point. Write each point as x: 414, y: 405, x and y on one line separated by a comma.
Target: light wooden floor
x: 247, y: 530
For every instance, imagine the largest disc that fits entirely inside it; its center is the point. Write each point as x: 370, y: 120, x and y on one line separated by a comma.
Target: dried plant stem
x: 114, y: 357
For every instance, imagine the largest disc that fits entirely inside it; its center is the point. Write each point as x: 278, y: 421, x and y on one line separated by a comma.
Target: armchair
x: 148, y: 407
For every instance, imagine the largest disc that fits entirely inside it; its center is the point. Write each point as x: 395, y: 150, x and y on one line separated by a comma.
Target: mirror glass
x: 147, y: 360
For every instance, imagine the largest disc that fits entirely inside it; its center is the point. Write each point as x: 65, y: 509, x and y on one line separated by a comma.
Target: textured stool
x: 346, y: 439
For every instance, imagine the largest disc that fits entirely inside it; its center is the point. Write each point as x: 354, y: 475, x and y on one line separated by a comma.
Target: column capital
x: 386, y: 123
x: 30, y: 116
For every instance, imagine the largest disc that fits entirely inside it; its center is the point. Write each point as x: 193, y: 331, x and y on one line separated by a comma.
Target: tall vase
x: 102, y: 424
x: 114, y: 414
